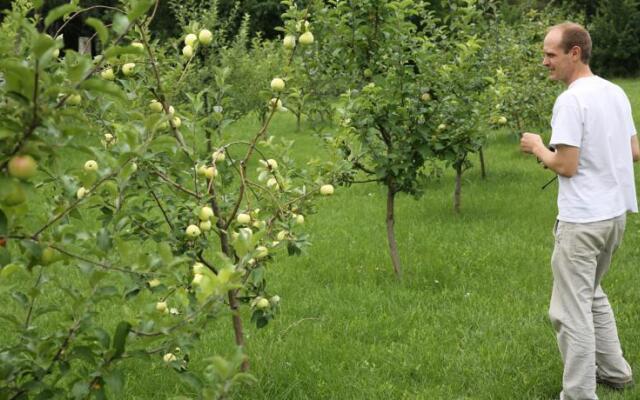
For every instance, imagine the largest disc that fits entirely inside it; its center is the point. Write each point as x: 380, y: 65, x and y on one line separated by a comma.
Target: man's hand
x: 529, y: 142
x: 564, y: 161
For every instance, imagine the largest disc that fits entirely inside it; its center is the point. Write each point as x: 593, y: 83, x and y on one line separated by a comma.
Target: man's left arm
x: 635, y: 149
x: 564, y: 161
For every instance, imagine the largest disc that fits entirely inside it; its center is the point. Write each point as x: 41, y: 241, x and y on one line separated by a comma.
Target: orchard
x: 207, y: 212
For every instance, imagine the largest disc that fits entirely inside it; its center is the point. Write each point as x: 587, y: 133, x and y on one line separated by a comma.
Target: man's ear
x: 576, y: 51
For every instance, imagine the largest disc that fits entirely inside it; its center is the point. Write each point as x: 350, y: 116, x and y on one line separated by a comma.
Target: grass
x: 469, y: 320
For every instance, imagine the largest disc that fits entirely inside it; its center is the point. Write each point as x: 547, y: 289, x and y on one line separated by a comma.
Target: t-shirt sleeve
x: 629, y: 125
x: 566, y: 123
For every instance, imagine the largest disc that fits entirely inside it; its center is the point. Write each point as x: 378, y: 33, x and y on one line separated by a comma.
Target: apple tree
x: 122, y: 236
x: 387, y: 124
x: 520, y: 95
x: 460, y: 87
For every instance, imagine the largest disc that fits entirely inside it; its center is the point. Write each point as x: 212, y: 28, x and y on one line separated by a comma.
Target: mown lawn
x: 469, y: 320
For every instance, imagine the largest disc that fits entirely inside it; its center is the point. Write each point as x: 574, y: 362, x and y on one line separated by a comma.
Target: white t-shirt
x: 595, y: 115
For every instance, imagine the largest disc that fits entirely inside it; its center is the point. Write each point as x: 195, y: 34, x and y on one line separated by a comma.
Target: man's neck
x: 581, y: 72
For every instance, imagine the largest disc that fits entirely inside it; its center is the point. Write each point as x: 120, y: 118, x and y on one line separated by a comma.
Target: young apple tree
x: 121, y: 236
x: 387, y: 123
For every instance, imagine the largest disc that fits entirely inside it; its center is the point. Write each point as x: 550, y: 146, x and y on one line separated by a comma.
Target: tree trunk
x: 483, y: 171
x: 237, y: 325
x: 206, y: 107
x: 391, y: 237
x: 458, y: 190
x: 233, y: 301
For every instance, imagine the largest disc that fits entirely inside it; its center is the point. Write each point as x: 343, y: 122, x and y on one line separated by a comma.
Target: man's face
x: 561, y: 65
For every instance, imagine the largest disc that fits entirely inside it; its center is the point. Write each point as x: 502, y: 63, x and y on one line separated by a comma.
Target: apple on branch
x: 22, y: 166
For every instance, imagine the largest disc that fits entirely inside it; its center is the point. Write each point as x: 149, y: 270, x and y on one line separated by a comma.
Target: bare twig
x: 155, y: 197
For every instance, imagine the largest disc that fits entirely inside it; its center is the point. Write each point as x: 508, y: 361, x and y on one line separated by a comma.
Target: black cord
x: 549, y: 183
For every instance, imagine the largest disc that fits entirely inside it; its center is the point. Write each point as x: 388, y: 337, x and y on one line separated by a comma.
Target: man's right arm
x: 635, y: 149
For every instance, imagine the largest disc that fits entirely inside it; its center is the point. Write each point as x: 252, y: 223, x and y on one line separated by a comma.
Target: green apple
x: 108, y: 74
x: 193, y: 231
x: 12, y: 193
x: 91, y: 166
x: 81, y: 192
x: 198, y: 268
x: 243, y: 219
x: 49, y: 255
x: 155, y: 106
x: 277, y: 84
x: 22, y: 166
x: 282, y: 235
x: 211, y: 172
x: 169, y: 357
x: 261, y: 252
x: 202, y: 170
x: 426, y: 97
x: 128, y: 69
x: 154, y: 283
x: 190, y: 40
x: 275, y: 299
x: 197, y: 279
x: 289, y: 42
x: 177, y: 122
x: 326, y: 190
x: 161, y: 306
x: 187, y: 51
x: 218, y: 156
x: 205, y: 213
x: 300, y: 219
x: 441, y: 127
x: 137, y: 45
x: 367, y: 73
x: 272, y: 183
x: 205, y: 37
x: 262, y: 303
x: 205, y: 226
x: 502, y: 120
x: 276, y: 103
x: 306, y: 38
x: 74, y: 99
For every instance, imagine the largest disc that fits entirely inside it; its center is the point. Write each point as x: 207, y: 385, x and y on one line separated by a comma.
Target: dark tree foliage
x: 615, y: 31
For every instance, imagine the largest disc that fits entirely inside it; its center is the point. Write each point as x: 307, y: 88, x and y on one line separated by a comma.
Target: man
x: 595, y: 145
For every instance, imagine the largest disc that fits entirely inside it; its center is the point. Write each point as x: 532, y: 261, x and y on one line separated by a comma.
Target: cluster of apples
x: 204, y: 37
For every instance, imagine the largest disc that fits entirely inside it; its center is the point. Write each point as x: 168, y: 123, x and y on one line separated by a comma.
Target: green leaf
x: 9, y: 270
x: 11, y: 318
x: 120, y: 24
x: 115, y: 383
x: 18, y: 78
x: 58, y: 13
x: 101, y: 30
x: 99, y: 86
x: 77, y: 72
x: 21, y: 298
x: 120, y: 338
x: 104, y: 239
x: 139, y: 8
x: 116, y: 51
x: 192, y: 381
x: 41, y: 44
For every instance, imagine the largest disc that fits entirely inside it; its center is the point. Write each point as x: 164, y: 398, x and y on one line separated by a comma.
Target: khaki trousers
x: 580, y: 311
